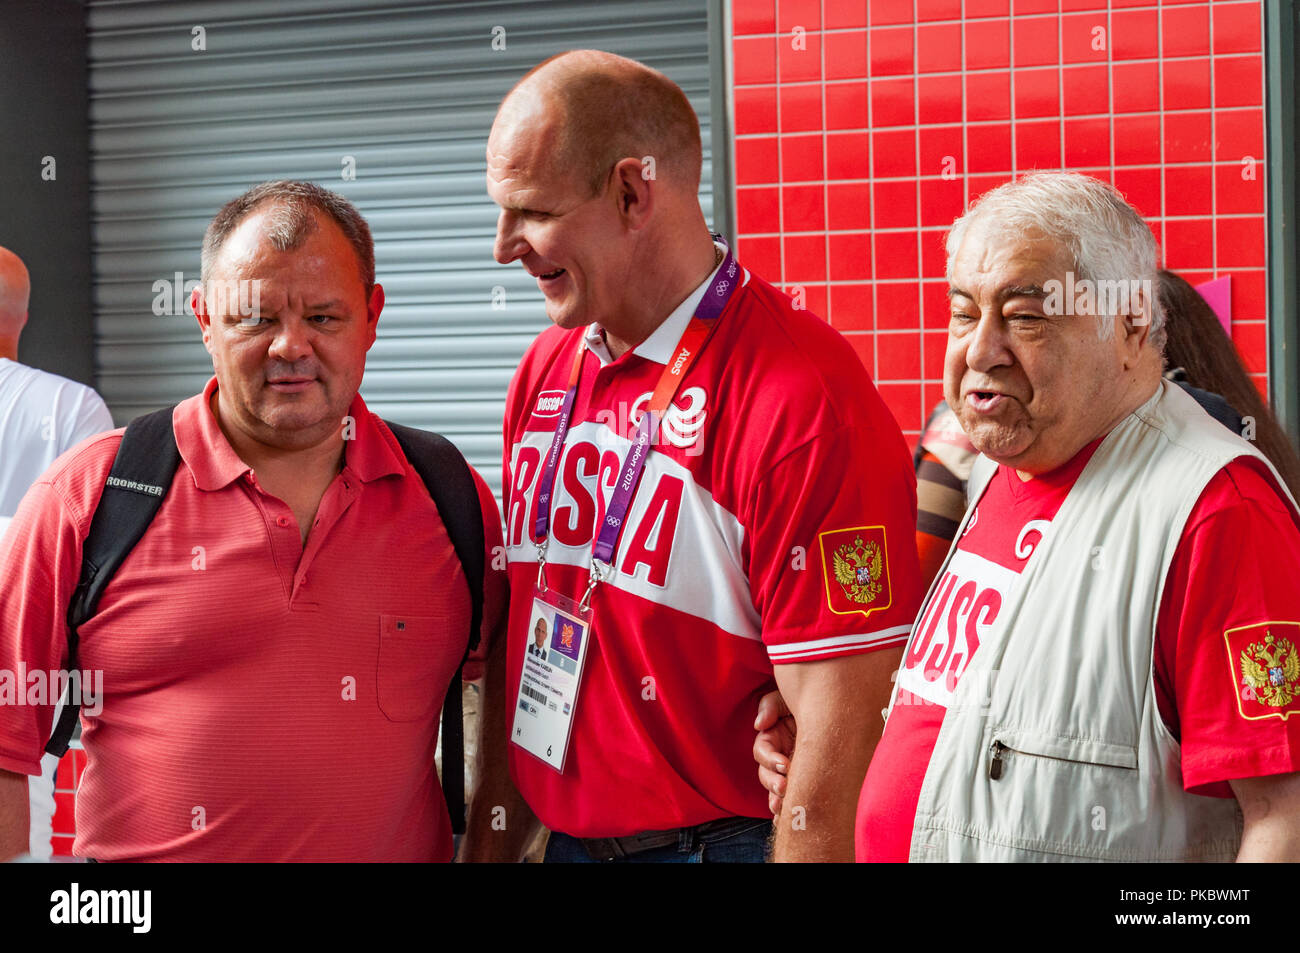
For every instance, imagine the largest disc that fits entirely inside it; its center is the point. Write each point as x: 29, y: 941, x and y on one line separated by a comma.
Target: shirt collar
x: 214, y: 463
x: 662, y: 342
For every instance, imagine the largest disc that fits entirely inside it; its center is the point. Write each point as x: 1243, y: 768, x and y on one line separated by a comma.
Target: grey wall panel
x: 286, y: 90
x: 46, y: 208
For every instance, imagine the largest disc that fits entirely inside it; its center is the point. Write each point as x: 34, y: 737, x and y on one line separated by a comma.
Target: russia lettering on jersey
x: 966, y: 603
x: 1002, y: 534
x: 667, y: 503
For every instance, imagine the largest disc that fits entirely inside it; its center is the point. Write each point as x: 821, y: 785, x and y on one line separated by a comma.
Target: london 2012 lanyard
x: 692, y: 342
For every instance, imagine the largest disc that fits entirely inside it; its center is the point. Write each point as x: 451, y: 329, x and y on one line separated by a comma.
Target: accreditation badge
x: 555, y: 651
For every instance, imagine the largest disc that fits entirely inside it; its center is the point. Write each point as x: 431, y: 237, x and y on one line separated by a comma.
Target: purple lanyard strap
x: 692, y: 342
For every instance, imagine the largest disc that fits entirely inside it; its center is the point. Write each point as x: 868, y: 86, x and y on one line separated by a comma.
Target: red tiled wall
x: 65, y: 796
x: 864, y: 126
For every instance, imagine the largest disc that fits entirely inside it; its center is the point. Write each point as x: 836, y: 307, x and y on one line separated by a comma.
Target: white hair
x: 1103, y: 234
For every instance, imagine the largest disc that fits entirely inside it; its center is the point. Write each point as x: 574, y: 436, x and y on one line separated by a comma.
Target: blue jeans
x: 743, y: 841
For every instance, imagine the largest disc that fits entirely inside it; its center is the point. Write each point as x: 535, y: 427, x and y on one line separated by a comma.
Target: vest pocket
x: 1056, y: 749
x: 1057, y: 797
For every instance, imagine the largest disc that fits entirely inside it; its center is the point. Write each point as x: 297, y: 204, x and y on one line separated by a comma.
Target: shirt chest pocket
x: 417, y: 657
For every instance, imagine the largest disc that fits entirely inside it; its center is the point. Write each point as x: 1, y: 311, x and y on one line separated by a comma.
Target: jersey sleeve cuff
x: 1235, y: 766
x: 18, y: 765
x: 858, y: 643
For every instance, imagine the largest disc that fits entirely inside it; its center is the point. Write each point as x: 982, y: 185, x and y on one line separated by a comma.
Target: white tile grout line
x: 780, y: 151
x: 1060, y: 74
x: 1110, y: 87
x: 729, y: 125
x: 965, y: 126
x: 1160, y: 98
x: 871, y: 215
x: 826, y: 189
x: 1075, y: 64
x: 1132, y: 114
x: 1011, y: 87
x: 920, y: 233
x: 1214, y: 143
x: 1191, y: 217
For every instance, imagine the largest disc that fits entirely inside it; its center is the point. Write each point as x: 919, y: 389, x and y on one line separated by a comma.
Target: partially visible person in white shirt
x: 41, y: 416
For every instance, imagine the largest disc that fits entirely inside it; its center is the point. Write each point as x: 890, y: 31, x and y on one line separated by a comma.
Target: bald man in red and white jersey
x: 759, y: 534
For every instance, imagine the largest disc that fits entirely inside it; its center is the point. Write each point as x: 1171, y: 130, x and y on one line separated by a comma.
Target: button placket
x: 333, y: 505
x: 286, y: 548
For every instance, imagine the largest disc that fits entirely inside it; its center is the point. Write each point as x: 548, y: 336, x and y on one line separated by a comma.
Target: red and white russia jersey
x: 1224, y: 732
x: 774, y: 523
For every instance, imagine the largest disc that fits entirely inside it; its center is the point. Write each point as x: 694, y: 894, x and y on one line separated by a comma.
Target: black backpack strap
x: 451, y: 484
x: 141, y: 475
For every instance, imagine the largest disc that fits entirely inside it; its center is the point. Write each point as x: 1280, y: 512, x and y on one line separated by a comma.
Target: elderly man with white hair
x: 1106, y: 666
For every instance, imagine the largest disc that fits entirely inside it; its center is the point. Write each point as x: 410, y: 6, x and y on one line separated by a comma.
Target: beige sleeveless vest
x: 1054, y: 748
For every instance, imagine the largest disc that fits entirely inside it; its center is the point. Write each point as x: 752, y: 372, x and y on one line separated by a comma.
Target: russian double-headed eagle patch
x: 855, y: 565
x: 1265, y: 662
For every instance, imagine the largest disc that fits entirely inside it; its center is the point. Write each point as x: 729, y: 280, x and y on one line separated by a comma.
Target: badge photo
x: 541, y: 635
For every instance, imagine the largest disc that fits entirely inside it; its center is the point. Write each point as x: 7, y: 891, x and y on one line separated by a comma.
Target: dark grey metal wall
x: 403, y: 91
x: 1281, y: 30
x: 45, y: 177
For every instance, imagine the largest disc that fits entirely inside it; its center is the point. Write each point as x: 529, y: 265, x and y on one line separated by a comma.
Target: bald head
x: 15, y: 291
x: 593, y: 109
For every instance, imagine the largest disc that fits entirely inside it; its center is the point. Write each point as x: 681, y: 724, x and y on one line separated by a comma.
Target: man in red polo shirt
x: 275, y: 649
x: 719, y: 500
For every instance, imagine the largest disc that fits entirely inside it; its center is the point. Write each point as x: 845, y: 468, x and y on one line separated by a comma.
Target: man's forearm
x: 1264, y: 843
x: 14, y: 821
x: 500, y: 823
x: 821, y: 801
x: 1270, y: 808
x: 833, y: 745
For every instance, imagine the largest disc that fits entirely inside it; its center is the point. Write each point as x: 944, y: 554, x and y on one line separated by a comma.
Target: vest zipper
x: 998, y: 747
x: 995, y: 765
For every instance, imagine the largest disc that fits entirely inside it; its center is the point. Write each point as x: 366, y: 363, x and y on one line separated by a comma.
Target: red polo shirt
x: 262, y: 700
